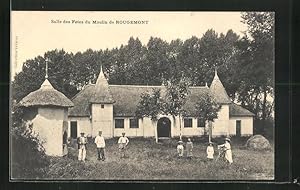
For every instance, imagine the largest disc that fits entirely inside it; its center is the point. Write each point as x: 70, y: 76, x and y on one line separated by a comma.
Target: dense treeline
x: 245, y: 64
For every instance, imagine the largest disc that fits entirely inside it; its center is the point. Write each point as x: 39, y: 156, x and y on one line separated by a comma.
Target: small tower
x: 218, y: 91
x: 220, y: 95
x: 102, y: 107
x: 47, y: 110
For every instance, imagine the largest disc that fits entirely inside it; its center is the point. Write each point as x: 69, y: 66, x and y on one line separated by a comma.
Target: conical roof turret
x: 218, y: 91
x: 102, y: 94
x: 46, y: 95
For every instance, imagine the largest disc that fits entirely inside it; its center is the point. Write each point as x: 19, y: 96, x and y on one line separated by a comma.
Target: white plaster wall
x: 130, y: 132
x: 194, y: 130
x: 48, y: 125
x: 246, y: 125
x: 149, y: 127
x: 175, y: 127
x: 102, y: 120
x: 221, y: 124
x: 83, y: 125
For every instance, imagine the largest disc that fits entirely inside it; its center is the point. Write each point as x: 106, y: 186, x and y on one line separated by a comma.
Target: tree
x: 177, y: 91
x: 256, y: 58
x: 149, y: 105
x: 27, y: 153
x: 61, y: 71
x: 33, y: 74
x: 207, y: 110
x: 157, y: 62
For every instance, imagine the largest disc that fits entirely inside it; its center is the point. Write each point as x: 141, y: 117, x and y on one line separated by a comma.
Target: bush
x: 28, y: 158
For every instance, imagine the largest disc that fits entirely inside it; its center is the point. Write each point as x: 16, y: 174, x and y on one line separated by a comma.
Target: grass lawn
x: 150, y: 161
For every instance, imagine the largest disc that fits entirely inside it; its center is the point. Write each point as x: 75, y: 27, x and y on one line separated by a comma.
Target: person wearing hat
x: 82, y: 141
x: 228, y: 153
x: 189, y: 149
x: 123, y: 142
x: 100, y: 143
x: 180, y: 149
x: 210, y: 151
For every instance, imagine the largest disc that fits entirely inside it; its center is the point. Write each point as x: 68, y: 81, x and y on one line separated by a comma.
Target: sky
x: 36, y: 32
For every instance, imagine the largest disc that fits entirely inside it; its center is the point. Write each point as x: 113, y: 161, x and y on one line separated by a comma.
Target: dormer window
x: 102, y: 106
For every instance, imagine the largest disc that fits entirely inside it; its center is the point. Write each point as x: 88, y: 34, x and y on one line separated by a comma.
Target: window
x: 119, y: 123
x: 188, y: 122
x: 102, y: 106
x: 201, y: 122
x: 134, y: 123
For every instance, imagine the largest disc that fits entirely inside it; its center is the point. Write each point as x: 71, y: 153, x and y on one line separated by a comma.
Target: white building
x: 111, y: 109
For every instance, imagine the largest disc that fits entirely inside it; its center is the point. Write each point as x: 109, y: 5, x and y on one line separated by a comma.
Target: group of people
x: 189, y: 149
x: 224, y: 149
x: 100, y: 143
x: 123, y: 142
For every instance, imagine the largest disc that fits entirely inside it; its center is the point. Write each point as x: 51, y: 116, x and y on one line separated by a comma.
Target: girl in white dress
x: 210, y: 151
x: 228, y: 153
x: 180, y: 149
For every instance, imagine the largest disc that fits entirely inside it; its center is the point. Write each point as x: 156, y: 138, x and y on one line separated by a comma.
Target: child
x: 189, y: 149
x: 180, y: 149
x: 210, y: 151
x: 228, y: 153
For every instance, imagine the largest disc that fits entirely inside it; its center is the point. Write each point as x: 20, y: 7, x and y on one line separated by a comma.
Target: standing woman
x: 189, y: 149
x: 228, y: 153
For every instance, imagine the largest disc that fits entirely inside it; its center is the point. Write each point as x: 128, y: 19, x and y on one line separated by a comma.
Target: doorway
x: 73, y: 129
x: 238, y: 128
x: 163, y: 127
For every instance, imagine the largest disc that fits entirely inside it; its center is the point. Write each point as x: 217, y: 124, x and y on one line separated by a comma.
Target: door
x: 238, y: 128
x: 163, y: 127
x: 74, y: 129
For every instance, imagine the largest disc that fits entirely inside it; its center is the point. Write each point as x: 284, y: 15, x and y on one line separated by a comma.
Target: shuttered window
x: 119, y: 123
x: 188, y: 122
x: 134, y: 123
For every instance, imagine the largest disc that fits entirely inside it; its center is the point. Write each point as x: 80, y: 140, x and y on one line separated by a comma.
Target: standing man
x: 100, y: 142
x: 81, y: 141
x: 123, y: 142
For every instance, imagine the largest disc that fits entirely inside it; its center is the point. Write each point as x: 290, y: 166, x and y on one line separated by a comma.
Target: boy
x: 123, y: 142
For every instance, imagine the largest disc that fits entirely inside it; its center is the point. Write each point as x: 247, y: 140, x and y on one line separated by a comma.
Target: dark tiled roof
x: 82, y: 102
x: 195, y: 93
x: 46, y: 96
x: 236, y: 110
x: 127, y: 97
